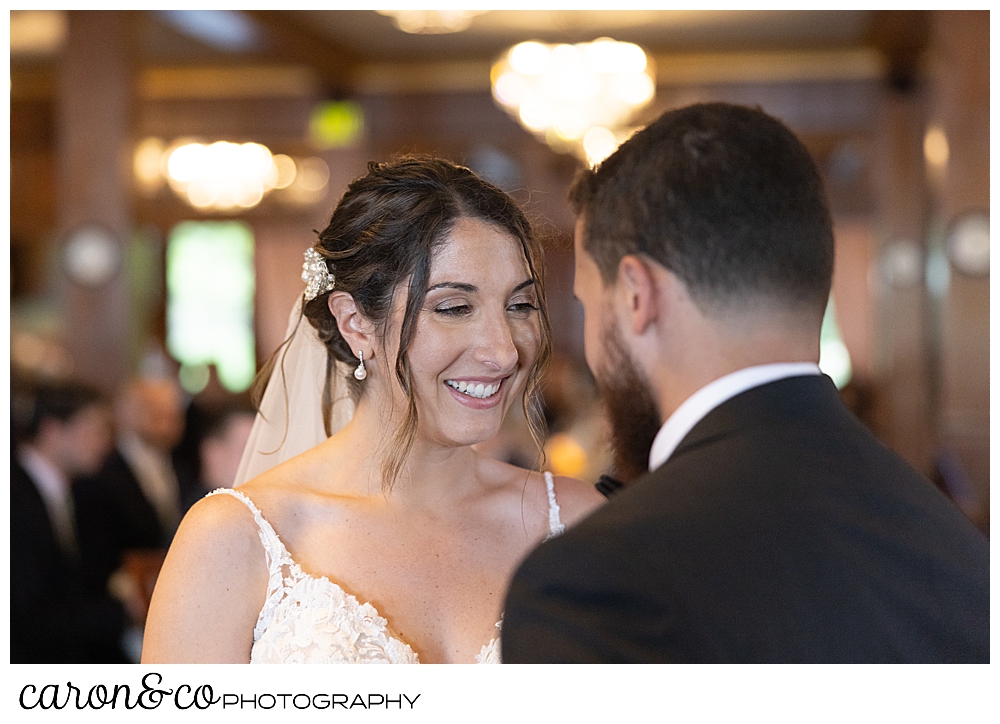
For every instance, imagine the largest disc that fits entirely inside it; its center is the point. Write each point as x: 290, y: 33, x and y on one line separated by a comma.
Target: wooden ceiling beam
x: 295, y: 43
x: 901, y: 36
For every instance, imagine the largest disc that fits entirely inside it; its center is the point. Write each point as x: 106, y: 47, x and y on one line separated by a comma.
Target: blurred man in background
x: 221, y: 447
x: 54, y: 617
x: 130, y: 509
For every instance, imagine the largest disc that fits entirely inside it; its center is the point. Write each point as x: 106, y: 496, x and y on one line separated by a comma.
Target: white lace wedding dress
x: 311, y: 619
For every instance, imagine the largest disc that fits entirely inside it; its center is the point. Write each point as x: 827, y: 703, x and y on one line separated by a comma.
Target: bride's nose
x: 495, y: 345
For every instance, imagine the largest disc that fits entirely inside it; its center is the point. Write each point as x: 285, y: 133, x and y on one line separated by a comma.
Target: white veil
x: 290, y: 417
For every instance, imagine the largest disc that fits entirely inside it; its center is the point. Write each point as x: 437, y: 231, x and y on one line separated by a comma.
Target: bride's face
x: 477, y: 335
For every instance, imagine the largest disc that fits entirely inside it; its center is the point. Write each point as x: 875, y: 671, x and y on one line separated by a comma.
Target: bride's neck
x: 431, y: 473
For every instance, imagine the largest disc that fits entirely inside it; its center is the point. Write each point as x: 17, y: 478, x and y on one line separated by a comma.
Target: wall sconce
x: 224, y: 176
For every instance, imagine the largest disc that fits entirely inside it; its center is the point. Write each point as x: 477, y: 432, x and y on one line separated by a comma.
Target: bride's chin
x: 463, y: 437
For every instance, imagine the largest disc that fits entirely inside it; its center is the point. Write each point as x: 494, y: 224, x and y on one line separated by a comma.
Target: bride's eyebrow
x: 472, y: 289
x: 455, y: 285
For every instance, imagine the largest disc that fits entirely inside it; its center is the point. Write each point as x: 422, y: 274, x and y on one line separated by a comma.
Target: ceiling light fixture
x: 224, y: 176
x: 431, y: 21
x: 578, y: 98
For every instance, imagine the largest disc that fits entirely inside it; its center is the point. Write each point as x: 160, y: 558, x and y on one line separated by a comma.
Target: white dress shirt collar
x: 54, y: 487
x: 694, y: 408
x: 155, y: 474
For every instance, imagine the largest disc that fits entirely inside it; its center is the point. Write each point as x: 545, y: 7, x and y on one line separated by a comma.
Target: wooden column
x: 960, y: 106
x: 902, y: 354
x: 93, y: 151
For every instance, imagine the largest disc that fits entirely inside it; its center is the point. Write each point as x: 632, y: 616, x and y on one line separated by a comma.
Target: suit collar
x: 802, y: 401
x: 715, y: 393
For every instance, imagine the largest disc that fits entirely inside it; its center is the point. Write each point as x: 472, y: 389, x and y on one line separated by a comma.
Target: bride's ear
x: 355, y: 328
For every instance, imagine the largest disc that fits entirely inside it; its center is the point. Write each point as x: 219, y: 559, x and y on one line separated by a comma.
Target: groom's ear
x: 639, y: 293
x: 355, y: 327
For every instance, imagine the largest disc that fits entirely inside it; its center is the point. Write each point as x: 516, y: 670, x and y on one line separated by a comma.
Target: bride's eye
x: 522, y: 309
x: 456, y: 310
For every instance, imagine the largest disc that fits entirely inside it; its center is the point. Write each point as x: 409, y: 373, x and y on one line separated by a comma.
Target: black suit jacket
x: 113, y: 515
x: 53, y: 618
x: 780, y: 530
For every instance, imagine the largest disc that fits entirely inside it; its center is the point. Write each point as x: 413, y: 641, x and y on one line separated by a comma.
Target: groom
x: 768, y: 525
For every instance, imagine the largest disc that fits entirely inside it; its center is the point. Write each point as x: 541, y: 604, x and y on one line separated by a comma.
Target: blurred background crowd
x: 168, y: 169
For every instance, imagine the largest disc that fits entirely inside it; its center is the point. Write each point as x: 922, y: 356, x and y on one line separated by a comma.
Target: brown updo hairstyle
x: 385, y: 230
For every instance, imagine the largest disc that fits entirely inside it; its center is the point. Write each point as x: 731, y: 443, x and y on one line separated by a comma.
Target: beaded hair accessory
x: 316, y: 274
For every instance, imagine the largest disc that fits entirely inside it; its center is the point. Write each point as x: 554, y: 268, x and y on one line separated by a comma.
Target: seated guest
x: 133, y: 504
x: 226, y: 431
x: 53, y: 619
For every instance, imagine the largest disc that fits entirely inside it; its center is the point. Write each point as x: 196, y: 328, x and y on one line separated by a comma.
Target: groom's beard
x: 630, y: 406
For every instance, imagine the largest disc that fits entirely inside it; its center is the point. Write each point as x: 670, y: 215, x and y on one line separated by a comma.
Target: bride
x: 392, y: 540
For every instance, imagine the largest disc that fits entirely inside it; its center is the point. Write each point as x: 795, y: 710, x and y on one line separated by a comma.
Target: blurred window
x: 210, y: 291
x: 834, y: 359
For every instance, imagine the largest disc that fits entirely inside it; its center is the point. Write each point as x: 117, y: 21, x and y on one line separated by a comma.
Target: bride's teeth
x: 475, y: 390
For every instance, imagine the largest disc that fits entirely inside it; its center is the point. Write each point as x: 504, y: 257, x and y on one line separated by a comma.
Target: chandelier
x: 578, y: 98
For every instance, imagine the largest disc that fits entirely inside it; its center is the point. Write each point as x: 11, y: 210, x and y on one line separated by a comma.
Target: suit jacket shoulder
x: 113, y: 516
x: 780, y: 530
x: 53, y: 619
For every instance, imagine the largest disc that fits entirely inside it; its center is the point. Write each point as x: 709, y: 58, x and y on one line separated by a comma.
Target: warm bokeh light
x: 563, y: 92
x: 936, y: 147
x: 37, y: 32
x: 284, y: 166
x: 431, y: 21
x: 598, y: 144
x: 225, y: 176
x: 146, y: 163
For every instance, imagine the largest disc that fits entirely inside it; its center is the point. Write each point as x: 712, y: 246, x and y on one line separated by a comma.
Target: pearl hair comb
x: 316, y: 274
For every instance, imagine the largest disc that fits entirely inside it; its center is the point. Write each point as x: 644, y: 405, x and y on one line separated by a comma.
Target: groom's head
x: 703, y: 245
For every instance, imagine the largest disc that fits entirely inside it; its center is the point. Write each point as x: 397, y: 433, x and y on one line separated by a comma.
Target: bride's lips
x: 478, y: 403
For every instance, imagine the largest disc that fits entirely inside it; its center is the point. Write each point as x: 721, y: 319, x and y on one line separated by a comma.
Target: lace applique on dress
x: 311, y: 619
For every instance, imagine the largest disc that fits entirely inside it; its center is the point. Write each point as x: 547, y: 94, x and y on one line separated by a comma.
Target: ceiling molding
x: 671, y: 69
x: 259, y: 80
x: 769, y: 67
x: 435, y: 77
x: 241, y: 81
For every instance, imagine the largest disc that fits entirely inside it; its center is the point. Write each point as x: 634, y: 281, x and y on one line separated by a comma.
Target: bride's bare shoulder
x: 210, y: 589
x: 576, y: 498
x: 217, y: 519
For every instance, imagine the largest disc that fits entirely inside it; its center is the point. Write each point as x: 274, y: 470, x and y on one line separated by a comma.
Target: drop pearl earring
x: 360, y: 373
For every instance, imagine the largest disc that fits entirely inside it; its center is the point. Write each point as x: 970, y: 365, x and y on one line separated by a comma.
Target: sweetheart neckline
x: 298, y: 574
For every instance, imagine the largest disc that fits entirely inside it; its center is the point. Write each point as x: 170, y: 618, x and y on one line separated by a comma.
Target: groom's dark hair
x: 725, y: 197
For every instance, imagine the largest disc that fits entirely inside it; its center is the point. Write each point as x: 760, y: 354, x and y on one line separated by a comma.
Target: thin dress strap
x: 555, y: 525
x: 276, y: 555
